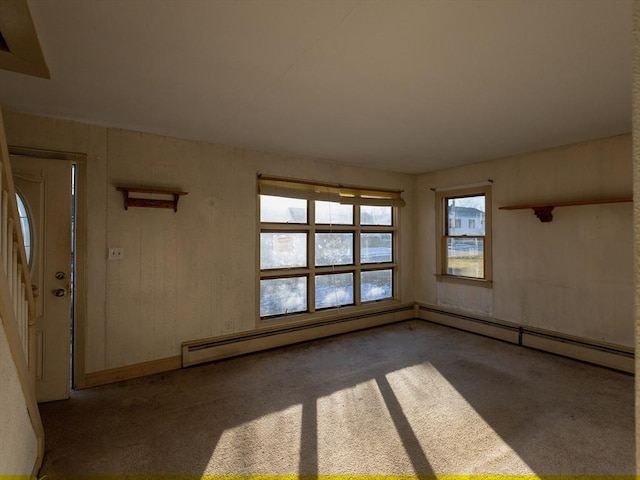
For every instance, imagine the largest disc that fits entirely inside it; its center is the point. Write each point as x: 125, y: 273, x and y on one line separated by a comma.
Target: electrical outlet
x: 116, y: 253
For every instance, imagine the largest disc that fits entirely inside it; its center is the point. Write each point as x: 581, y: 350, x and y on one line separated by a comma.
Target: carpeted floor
x: 410, y: 398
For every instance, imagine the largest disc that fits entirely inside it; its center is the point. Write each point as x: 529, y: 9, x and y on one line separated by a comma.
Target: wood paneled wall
x: 573, y: 275
x: 185, y: 275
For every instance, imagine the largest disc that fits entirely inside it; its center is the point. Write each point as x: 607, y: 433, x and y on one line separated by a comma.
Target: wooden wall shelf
x: 130, y: 201
x: 543, y: 210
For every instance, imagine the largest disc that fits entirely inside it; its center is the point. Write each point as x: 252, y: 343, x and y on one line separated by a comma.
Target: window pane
x: 282, y: 209
x: 376, y: 247
x: 376, y: 285
x: 466, y: 215
x: 465, y: 257
x: 334, y: 290
x: 25, y: 225
x: 283, y: 250
x: 375, y: 215
x: 333, y: 213
x: 283, y: 295
x: 334, y: 249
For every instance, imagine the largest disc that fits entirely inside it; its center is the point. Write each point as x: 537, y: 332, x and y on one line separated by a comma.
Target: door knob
x: 60, y: 275
x: 60, y: 292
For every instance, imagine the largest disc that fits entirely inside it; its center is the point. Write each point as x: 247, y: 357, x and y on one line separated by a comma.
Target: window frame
x: 442, y: 198
x: 312, y: 270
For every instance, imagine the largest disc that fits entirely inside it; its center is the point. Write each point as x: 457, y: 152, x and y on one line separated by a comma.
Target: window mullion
x: 334, y: 269
x: 283, y: 227
x: 377, y: 228
x: 311, y: 257
x: 357, y: 245
x: 378, y: 266
x: 283, y: 272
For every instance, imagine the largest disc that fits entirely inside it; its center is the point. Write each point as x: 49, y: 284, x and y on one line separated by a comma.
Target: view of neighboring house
x: 465, y: 221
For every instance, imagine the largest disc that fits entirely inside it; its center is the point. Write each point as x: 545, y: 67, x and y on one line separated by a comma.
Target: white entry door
x: 44, y: 185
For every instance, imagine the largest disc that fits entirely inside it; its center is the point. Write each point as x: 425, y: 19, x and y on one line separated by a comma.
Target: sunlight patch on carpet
x: 266, y: 445
x: 453, y: 435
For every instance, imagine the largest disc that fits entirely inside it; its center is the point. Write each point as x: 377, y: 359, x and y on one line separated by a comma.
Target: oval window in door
x: 25, y: 223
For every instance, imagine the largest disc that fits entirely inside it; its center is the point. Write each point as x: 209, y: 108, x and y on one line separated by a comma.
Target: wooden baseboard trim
x: 143, y: 369
x: 617, y: 359
x: 485, y: 326
x: 612, y: 356
x: 208, y: 350
x: 282, y: 338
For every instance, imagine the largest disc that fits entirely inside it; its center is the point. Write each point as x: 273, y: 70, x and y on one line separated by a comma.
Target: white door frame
x: 80, y: 254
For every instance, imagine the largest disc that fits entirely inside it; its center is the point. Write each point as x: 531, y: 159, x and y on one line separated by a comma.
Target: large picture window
x: 464, y: 219
x: 324, y: 247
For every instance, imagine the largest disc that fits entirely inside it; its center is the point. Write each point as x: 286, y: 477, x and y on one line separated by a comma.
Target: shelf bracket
x: 543, y: 213
x: 130, y: 201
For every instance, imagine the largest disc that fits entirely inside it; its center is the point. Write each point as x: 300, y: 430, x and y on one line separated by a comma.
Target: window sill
x: 478, y: 282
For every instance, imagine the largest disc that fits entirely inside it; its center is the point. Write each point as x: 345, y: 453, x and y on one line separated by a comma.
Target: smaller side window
x: 464, y: 233
x: 25, y: 224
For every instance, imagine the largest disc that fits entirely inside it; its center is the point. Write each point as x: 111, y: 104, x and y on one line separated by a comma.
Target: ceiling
x: 410, y: 86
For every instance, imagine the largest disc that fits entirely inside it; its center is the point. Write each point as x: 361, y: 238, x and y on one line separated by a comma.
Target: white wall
x: 188, y: 275
x: 573, y: 275
x: 18, y: 445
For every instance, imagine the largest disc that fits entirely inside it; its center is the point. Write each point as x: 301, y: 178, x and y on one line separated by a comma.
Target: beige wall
x: 192, y: 274
x: 573, y: 275
x: 188, y: 275
x: 18, y: 446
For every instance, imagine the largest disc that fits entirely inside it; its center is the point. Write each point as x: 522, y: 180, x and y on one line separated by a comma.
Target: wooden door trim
x: 80, y: 308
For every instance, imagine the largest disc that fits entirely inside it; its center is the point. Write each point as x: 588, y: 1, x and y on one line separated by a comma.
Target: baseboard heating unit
x: 207, y: 350
x: 617, y: 357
